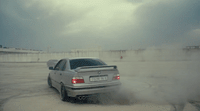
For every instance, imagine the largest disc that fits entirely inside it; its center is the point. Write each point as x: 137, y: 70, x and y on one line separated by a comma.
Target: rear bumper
x: 73, y: 92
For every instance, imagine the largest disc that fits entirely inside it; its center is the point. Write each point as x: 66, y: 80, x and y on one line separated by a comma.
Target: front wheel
x: 49, y: 82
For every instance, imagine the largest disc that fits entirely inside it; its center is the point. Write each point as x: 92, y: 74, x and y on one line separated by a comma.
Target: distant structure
x: 118, y: 50
x: 6, y: 50
x: 87, y: 50
x: 192, y: 47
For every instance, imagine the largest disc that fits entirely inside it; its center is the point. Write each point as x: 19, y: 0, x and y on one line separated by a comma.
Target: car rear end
x: 94, y: 79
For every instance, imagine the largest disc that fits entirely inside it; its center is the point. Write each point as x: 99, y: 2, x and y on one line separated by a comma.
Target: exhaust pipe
x: 81, y: 97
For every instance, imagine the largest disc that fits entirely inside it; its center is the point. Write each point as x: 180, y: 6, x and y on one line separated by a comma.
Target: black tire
x: 49, y: 82
x: 63, y: 94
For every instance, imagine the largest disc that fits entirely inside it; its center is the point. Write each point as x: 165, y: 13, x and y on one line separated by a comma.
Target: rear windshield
x: 85, y: 62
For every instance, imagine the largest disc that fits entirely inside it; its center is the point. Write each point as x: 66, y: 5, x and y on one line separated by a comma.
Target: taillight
x: 116, y: 77
x: 76, y: 80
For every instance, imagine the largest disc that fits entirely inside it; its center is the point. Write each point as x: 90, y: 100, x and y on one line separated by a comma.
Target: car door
x: 54, y: 75
x: 59, y: 72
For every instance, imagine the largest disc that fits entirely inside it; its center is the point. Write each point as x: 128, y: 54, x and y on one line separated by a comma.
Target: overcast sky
x: 111, y: 24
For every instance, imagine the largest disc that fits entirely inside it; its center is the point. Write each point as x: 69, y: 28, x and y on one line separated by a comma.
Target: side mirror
x: 50, y: 68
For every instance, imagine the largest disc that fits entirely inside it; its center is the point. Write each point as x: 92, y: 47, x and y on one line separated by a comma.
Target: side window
x: 62, y: 65
x: 57, y: 65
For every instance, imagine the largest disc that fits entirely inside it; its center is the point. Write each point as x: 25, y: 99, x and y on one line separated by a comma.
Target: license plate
x: 102, y: 78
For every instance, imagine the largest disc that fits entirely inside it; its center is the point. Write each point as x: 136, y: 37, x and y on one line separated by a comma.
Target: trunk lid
x: 97, y: 74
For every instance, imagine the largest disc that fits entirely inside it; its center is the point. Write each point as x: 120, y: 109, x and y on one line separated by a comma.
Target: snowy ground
x: 146, y: 86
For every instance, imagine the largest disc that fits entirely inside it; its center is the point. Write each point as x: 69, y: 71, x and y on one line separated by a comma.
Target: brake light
x: 116, y: 77
x: 76, y: 80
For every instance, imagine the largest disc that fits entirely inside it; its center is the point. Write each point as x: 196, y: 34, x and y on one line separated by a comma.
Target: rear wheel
x: 63, y: 94
x: 49, y: 82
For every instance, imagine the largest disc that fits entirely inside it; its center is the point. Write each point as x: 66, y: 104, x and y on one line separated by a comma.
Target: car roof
x: 81, y: 58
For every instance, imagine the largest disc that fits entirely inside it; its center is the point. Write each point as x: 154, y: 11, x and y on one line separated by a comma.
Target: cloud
x: 112, y: 24
x: 168, y: 21
x: 103, y: 17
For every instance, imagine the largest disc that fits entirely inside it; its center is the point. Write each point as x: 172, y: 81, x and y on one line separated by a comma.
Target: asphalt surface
x: 146, y: 86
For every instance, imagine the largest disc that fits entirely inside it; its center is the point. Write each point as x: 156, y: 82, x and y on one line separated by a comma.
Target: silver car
x: 80, y: 77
